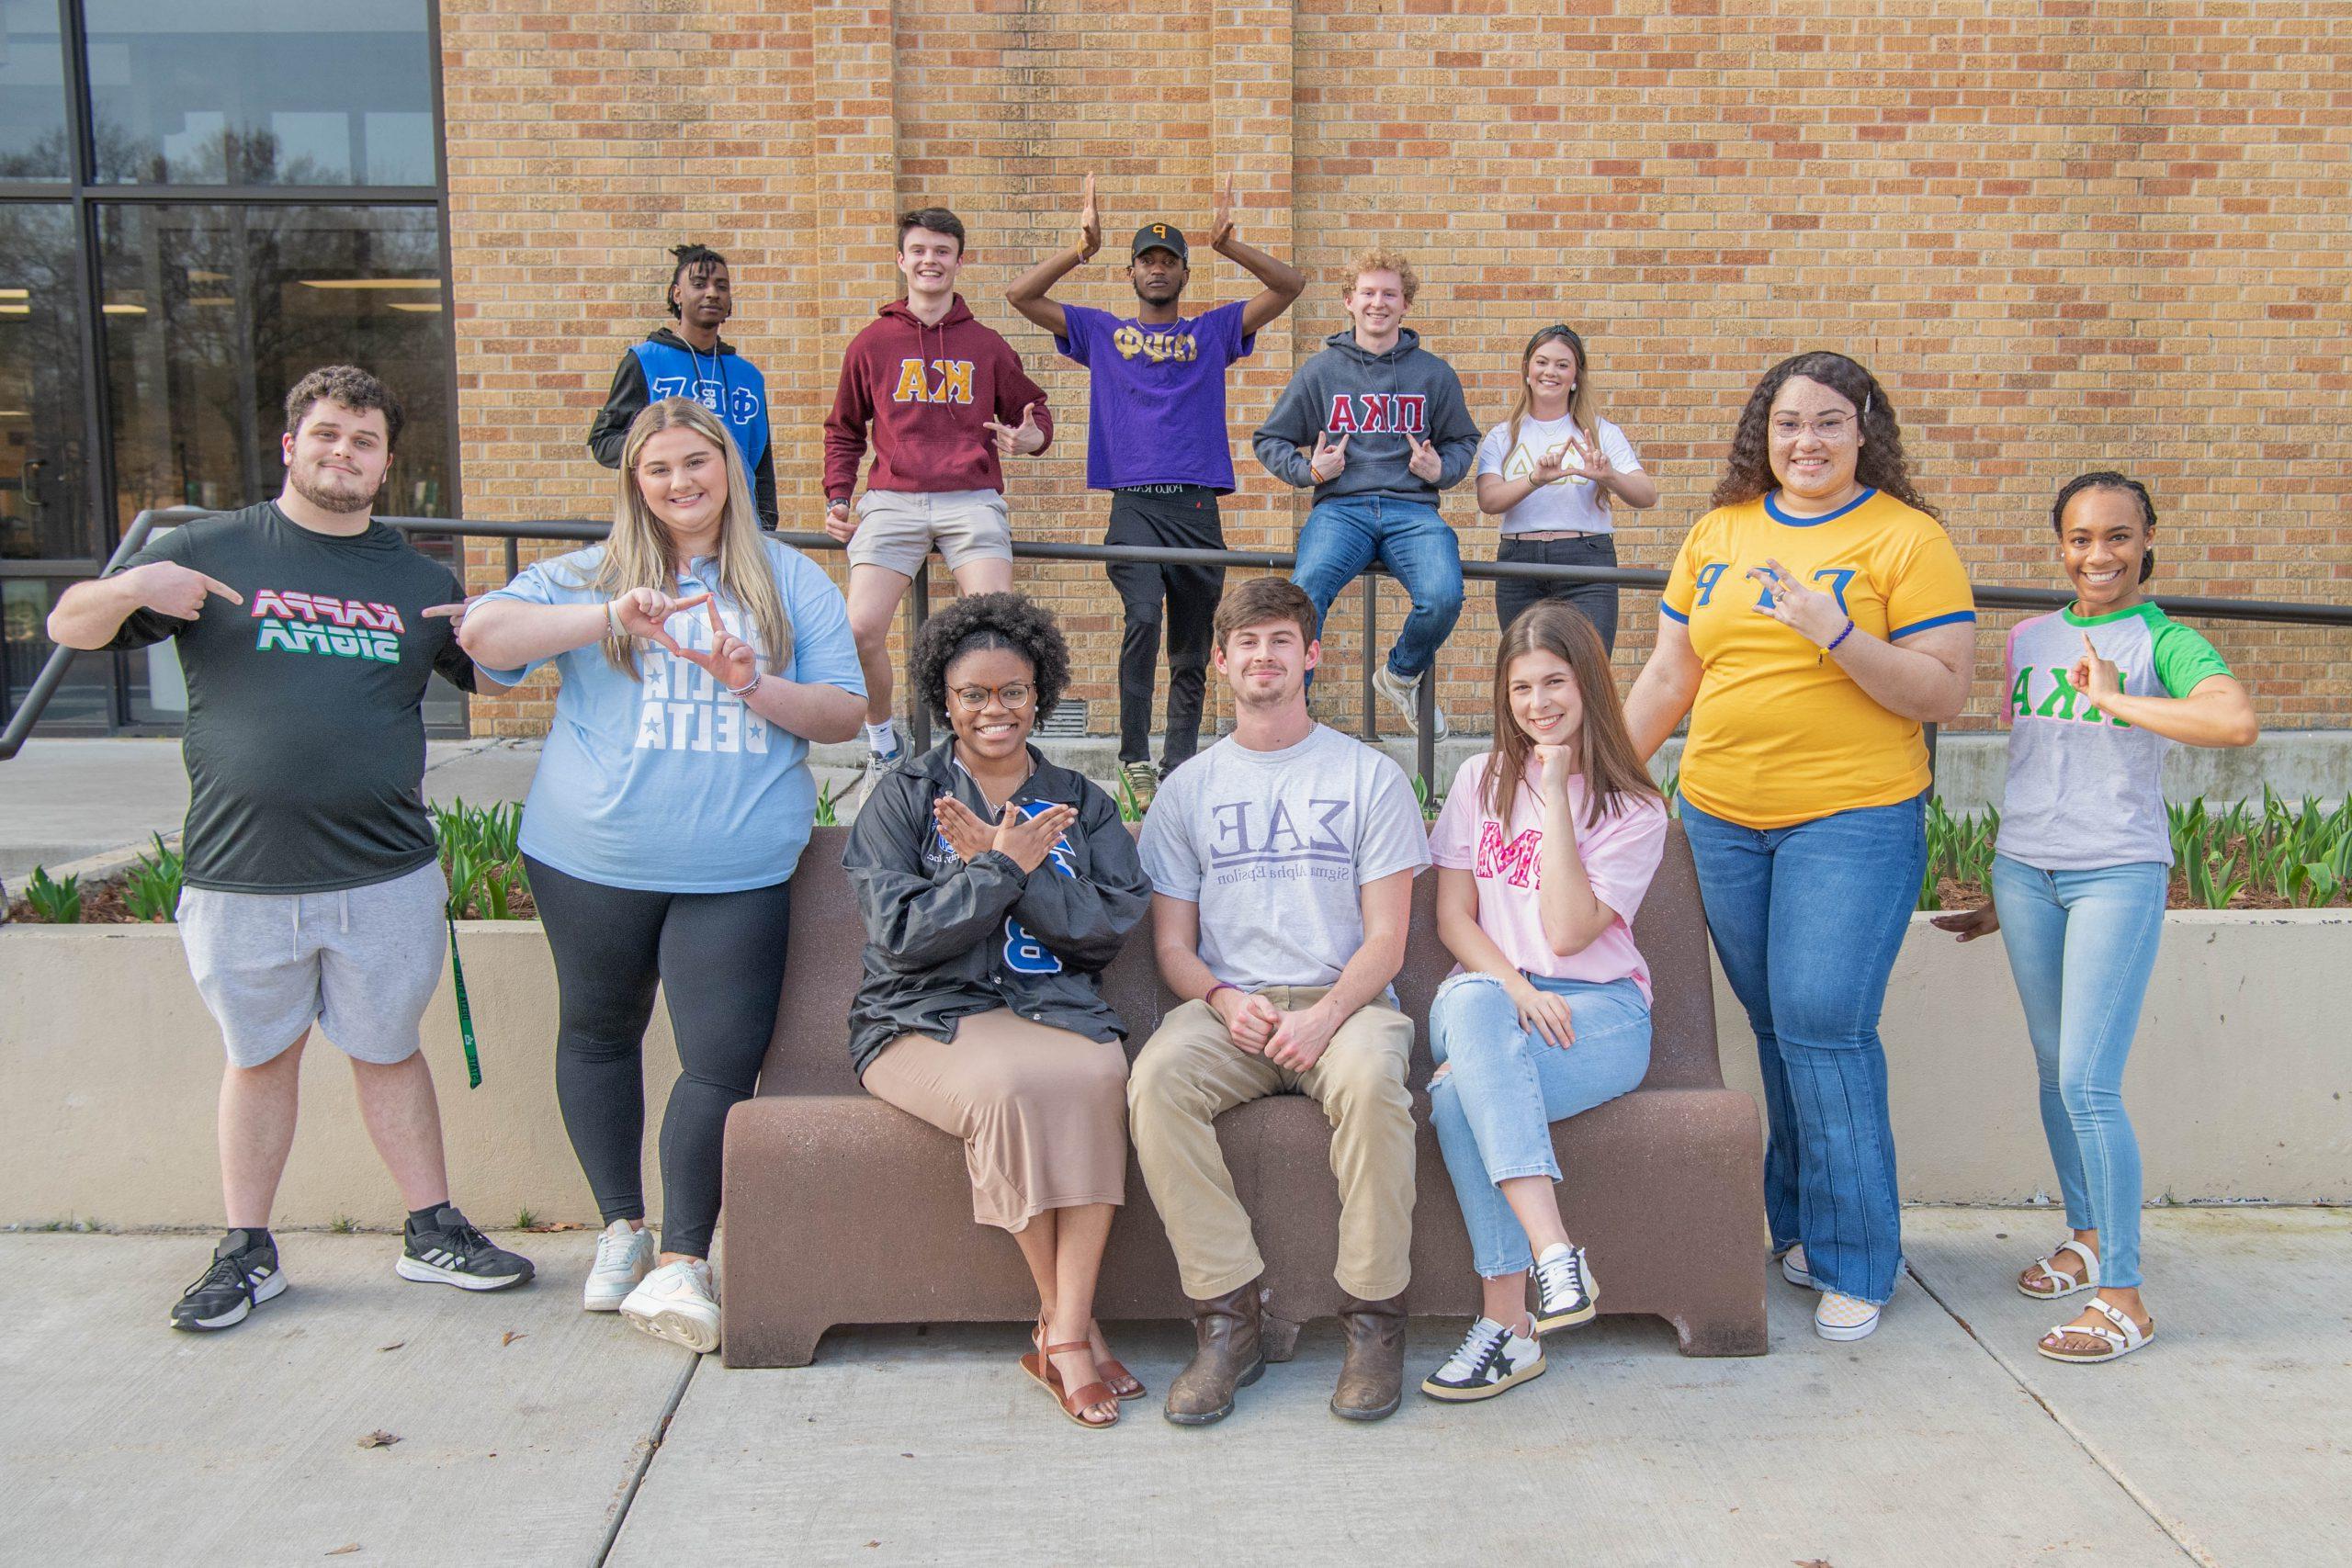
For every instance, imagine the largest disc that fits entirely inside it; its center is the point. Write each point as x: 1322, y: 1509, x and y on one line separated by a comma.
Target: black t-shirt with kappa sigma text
x: 305, y: 741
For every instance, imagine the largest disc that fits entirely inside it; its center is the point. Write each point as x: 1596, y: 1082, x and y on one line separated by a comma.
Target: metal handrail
x: 588, y: 531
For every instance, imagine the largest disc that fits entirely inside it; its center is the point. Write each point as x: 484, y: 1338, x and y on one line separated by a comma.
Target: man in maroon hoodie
x: 942, y: 400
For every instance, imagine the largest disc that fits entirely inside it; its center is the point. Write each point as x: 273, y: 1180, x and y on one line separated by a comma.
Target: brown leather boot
x: 1371, y: 1379
x: 1227, y: 1356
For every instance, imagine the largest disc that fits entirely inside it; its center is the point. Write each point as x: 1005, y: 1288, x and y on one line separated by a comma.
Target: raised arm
x: 1284, y: 283
x: 1028, y: 293
x: 89, y: 615
x: 2216, y: 711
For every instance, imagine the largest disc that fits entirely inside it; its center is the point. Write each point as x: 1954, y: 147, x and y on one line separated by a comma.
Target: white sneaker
x: 1566, y: 1291
x: 1405, y: 697
x: 879, y: 766
x: 1844, y: 1317
x: 1793, y: 1270
x: 677, y: 1302
x: 624, y: 1256
x: 1491, y: 1359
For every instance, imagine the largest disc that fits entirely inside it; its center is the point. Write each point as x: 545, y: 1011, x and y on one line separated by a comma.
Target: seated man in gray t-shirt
x: 1282, y: 862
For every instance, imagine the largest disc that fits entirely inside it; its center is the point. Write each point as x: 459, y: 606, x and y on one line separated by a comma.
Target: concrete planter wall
x: 109, y: 1068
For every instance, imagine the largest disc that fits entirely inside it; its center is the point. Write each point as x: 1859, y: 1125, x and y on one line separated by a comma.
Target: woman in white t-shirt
x: 1544, y: 850
x: 1551, y: 471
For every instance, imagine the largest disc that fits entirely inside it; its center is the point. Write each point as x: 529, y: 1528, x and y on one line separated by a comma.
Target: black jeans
x: 1176, y: 517
x: 1597, y: 600
x: 720, y: 959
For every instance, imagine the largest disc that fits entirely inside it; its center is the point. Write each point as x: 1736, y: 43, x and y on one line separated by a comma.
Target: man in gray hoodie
x: 1378, y: 426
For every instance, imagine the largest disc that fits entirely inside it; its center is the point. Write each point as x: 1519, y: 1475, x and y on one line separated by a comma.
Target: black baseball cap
x: 1159, y: 237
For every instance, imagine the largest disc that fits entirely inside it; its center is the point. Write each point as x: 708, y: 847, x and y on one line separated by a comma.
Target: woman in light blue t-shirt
x: 2098, y: 693
x: 699, y: 657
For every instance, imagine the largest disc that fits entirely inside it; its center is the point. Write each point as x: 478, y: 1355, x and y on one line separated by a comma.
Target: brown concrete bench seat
x: 841, y: 1210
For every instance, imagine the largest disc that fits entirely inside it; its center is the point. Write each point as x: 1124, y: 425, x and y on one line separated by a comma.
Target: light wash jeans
x: 2081, y: 945
x: 1494, y: 1111
x: 1341, y: 538
x: 1807, y: 920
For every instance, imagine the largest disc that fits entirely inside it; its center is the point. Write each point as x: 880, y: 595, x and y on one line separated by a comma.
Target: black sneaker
x: 1565, y: 1291
x: 245, y: 1273
x: 448, y: 1251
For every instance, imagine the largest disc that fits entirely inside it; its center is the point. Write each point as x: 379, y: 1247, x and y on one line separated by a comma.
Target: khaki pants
x: 1191, y: 1071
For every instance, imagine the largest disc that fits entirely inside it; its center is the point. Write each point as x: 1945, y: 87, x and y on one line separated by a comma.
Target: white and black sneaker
x: 879, y: 766
x: 1565, y: 1293
x: 1490, y: 1360
x: 447, y: 1250
x: 244, y: 1274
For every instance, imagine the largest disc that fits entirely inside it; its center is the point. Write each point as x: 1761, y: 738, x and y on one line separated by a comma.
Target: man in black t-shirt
x: 313, y: 888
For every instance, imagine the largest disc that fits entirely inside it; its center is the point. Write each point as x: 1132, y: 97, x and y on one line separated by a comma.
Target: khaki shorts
x: 896, y: 528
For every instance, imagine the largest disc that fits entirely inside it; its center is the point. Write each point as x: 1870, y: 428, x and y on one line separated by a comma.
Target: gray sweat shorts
x: 362, y: 964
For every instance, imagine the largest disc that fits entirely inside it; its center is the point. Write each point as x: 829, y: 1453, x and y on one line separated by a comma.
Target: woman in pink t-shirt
x: 1543, y: 851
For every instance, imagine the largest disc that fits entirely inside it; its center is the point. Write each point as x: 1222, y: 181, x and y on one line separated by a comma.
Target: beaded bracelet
x: 1841, y: 637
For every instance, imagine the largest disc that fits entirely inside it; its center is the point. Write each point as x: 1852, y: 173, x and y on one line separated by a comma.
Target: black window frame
x: 85, y: 195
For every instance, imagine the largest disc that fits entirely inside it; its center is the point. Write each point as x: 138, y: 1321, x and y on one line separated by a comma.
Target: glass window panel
x: 33, y: 93
x: 261, y: 92
x: 44, y: 490
x: 85, y: 698
x: 212, y: 313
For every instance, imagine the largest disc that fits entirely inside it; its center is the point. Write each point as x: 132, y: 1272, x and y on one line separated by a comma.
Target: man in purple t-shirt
x: 1157, y: 442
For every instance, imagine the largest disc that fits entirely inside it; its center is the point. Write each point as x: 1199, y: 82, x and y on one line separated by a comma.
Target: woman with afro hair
x: 996, y: 888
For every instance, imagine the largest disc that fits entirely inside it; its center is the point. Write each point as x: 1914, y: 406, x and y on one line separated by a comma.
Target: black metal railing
x: 918, y: 604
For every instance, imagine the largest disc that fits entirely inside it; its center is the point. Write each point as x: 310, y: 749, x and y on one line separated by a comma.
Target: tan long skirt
x: 1042, y: 1111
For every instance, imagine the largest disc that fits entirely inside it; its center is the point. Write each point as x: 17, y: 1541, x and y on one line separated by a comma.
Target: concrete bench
x: 841, y: 1210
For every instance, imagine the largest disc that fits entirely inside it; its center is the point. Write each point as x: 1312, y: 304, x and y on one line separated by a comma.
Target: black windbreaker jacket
x: 944, y: 938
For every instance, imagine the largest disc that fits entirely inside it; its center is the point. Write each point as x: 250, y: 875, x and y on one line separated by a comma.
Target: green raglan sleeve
x: 2184, y: 658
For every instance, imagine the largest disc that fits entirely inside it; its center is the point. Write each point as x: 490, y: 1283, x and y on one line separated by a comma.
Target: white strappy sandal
x: 2069, y: 1284
x: 2121, y: 1339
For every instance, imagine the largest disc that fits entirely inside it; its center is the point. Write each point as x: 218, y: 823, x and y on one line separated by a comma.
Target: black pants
x: 1597, y: 600
x: 1178, y: 517
x: 721, y: 958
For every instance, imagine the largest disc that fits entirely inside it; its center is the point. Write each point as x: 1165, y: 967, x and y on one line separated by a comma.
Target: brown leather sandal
x: 1124, y: 1384
x: 1041, y: 1367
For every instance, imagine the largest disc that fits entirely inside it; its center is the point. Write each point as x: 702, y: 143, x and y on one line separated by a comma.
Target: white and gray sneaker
x: 624, y: 1256
x: 1490, y: 1360
x: 879, y: 766
x: 1793, y: 1268
x: 677, y: 1302
x: 1566, y: 1291
x: 1405, y: 697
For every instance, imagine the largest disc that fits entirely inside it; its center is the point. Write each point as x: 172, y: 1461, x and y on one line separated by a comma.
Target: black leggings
x: 722, y: 955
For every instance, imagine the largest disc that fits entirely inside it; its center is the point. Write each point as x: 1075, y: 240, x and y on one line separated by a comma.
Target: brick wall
x: 2066, y: 234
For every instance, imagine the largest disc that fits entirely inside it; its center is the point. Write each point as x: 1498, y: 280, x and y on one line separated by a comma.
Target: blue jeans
x: 1807, y: 920
x: 1494, y: 1111
x: 2081, y: 945
x: 1341, y: 538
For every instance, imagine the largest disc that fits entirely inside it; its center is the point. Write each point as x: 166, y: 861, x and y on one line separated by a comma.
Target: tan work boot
x: 1227, y: 1356
x: 1371, y: 1379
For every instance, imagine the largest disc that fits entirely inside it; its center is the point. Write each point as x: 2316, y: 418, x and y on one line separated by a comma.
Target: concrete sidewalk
x: 1942, y: 1440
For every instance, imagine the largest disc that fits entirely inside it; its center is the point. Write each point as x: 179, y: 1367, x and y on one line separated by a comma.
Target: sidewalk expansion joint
x: 2173, y: 1530
x: 645, y: 1462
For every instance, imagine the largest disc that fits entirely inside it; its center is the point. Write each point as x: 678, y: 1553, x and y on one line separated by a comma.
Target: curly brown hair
x: 1010, y: 621
x: 1747, y: 471
x: 354, y: 388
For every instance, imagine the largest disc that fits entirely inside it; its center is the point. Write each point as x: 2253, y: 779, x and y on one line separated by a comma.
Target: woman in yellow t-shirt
x: 1813, y: 622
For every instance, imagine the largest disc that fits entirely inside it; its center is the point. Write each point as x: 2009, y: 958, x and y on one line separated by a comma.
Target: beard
x: 1247, y: 694
x: 1165, y: 294
x: 331, y: 492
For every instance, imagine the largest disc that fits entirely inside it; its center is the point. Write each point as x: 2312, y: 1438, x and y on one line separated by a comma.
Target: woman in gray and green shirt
x: 2098, y: 692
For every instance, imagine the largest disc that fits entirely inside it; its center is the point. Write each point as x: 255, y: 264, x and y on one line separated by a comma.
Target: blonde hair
x: 1379, y: 260
x: 638, y: 553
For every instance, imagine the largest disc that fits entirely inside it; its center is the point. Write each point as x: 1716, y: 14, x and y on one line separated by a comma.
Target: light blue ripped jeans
x: 1494, y: 1110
